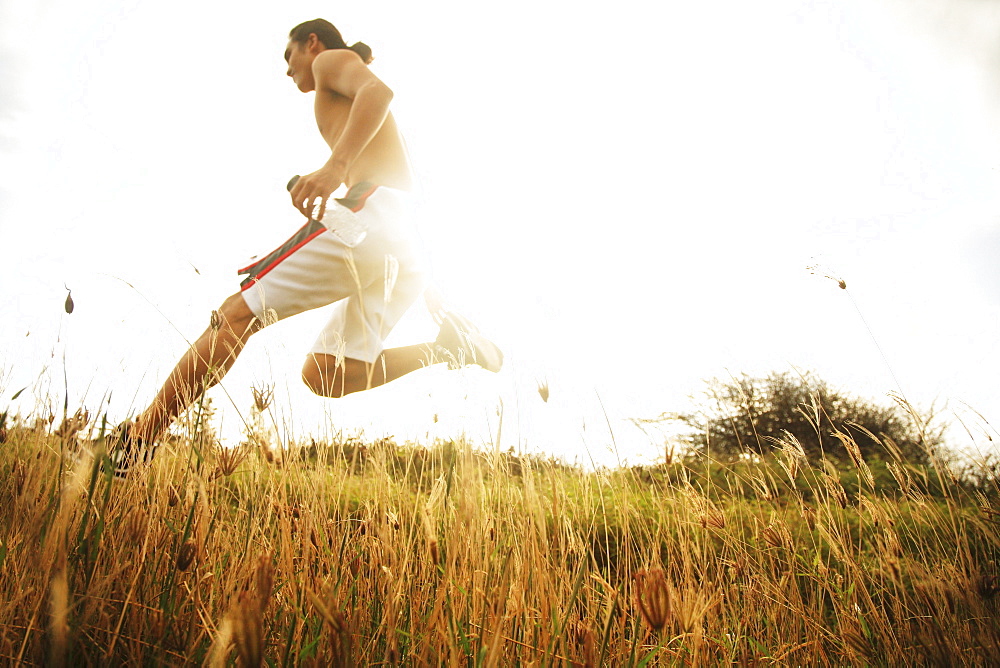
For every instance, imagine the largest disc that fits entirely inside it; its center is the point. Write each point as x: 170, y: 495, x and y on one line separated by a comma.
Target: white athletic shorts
x: 371, y: 285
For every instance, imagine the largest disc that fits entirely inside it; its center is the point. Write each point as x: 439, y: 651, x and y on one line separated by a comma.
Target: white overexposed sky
x: 627, y: 196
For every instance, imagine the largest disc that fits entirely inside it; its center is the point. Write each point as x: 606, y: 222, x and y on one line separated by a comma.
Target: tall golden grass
x: 360, y: 554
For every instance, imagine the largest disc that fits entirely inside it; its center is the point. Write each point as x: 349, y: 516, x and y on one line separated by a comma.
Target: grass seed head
x: 691, y: 607
x: 586, y: 639
x: 340, y: 639
x: 18, y: 475
x: 248, y: 629
x: 271, y: 455
x: 713, y: 519
x: 736, y: 567
x: 187, y: 555
x: 858, y: 644
x: 543, y: 390
x: 247, y: 614
x: 71, y: 425
x: 262, y: 397
x: 776, y: 536
x: 340, y: 631
x: 264, y: 577
x: 653, y: 597
x: 135, y: 525
x: 432, y: 548
x: 810, y: 516
x: 59, y: 613
x: 229, y: 459
x: 355, y: 566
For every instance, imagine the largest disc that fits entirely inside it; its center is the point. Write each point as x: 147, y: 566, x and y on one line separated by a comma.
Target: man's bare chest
x: 331, y: 115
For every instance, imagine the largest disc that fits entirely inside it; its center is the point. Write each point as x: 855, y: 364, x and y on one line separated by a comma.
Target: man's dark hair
x: 329, y: 36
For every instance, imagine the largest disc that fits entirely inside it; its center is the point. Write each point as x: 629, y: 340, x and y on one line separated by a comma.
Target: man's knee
x: 235, y: 315
x: 325, y: 377
x: 320, y: 375
x: 315, y: 379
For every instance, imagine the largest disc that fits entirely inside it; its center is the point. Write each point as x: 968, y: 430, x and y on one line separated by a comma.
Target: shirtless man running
x: 372, y: 282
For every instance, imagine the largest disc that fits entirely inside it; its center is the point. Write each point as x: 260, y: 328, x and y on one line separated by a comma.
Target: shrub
x: 746, y: 415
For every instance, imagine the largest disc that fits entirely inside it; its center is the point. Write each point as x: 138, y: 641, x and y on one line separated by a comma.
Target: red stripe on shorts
x: 260, y: 272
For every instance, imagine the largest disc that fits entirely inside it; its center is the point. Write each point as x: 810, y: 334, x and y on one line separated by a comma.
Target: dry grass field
x: 367, y: 554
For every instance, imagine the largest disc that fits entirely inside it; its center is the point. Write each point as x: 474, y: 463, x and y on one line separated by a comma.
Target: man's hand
x: 313, y: 190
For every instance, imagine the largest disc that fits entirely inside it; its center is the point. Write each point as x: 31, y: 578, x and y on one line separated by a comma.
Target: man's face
x: 300, y: 59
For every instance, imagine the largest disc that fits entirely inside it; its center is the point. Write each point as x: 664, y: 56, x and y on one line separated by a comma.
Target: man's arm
x: 340, y: 71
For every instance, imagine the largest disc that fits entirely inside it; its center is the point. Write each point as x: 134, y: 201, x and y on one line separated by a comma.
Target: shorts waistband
x: 357, y: 195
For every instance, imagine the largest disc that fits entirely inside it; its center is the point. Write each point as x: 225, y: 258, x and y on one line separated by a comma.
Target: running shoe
x: 462, y: 344
x: 127, y: 451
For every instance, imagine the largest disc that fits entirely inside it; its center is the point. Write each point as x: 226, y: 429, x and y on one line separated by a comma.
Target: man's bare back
x: 382, y: 162
x: 352, y: 112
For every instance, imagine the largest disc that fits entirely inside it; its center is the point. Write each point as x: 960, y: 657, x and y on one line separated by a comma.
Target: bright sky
x: 628, y: 199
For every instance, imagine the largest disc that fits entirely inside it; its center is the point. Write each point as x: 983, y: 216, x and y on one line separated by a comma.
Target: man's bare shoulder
x: 341, y: 71
x: 336, y: 59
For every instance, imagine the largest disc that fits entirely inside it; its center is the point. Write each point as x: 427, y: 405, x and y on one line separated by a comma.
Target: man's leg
x: 201, y: 367
x: 325, y: 377
x: 458, y: 342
